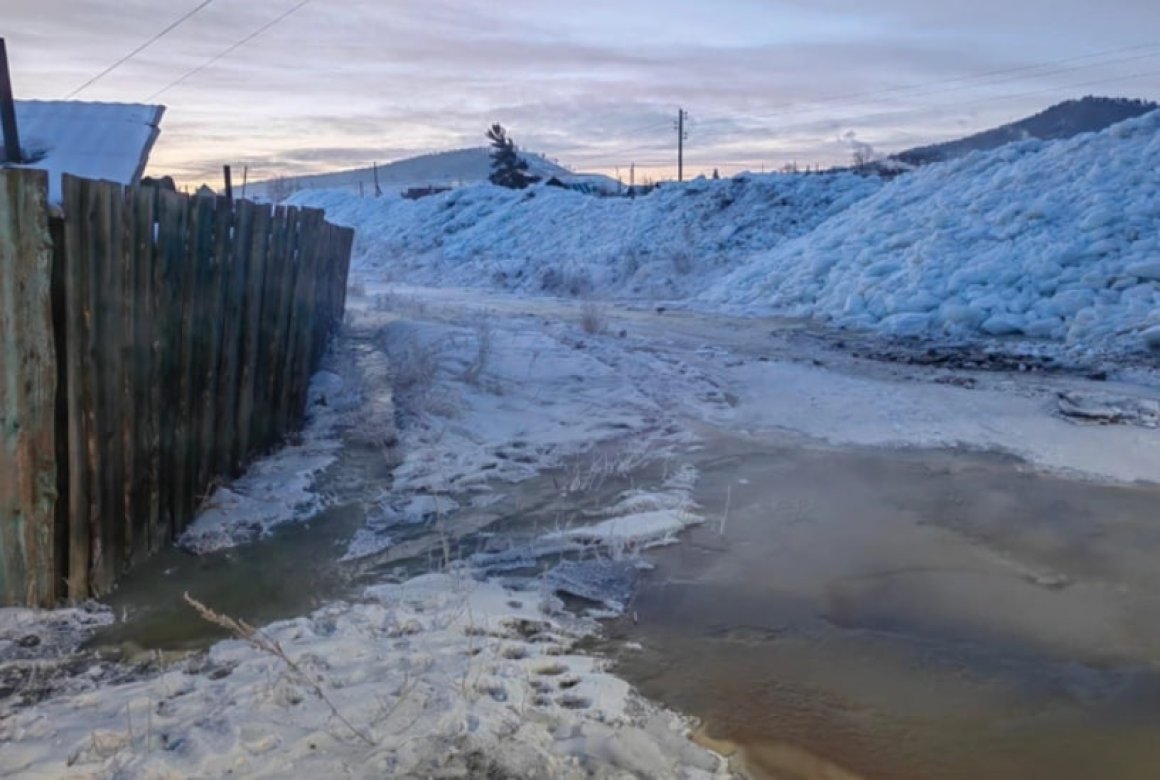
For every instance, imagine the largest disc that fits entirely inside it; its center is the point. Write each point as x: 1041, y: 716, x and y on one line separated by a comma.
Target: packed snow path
x: 780, y: 377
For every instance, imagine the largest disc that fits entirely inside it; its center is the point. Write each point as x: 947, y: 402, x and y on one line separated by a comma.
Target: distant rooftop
x: 109, y: 141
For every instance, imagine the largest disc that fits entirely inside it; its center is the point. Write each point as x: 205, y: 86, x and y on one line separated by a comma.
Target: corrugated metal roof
x: 109, y: 141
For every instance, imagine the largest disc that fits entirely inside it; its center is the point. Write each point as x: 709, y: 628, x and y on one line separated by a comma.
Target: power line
x: 925, y: 89
x: 226, y: 52
x: 137, y: 51
x: 1047, y: 69
x: 975, y: 101
x: 853, y: 120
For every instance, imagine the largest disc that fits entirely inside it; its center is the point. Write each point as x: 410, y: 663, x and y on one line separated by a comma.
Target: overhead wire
x: 849, y: 120
x: 152, y: 40
x: 227, y: 51
x: 958, y: 104
x: 929, y: 87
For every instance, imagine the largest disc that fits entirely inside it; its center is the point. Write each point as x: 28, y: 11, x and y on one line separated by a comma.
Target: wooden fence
x: 179, y: 343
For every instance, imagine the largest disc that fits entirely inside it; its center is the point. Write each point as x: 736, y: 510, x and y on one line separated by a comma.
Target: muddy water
x: 883, y: 615
x: 298, y: 568
x: 909, y: 615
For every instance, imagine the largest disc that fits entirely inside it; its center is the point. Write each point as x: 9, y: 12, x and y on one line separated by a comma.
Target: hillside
x: 1051, y: 240
x: 1056, y: 240
x: 442, y: 169
x: 669, y: 243
x: 1064, y: 120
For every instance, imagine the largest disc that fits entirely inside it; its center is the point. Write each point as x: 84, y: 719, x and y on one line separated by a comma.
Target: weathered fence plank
x: 172, y: 232
x: 105, y: 258
x: 281, y: 377
x: 177, y: 337
x: 77, y: 361
x: 60, y: 345
x: 278, y: 265
x: 28, y: 467
x: 142, y: 377
x: 234, y: 283
x: 299, y: 333
x: 251, y: 334
x: 212, y: 311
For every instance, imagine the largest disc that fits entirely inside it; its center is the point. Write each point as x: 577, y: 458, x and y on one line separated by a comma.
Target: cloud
x: 596, y: 84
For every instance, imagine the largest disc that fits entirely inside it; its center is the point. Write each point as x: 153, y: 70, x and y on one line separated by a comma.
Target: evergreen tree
x: 508, y: 169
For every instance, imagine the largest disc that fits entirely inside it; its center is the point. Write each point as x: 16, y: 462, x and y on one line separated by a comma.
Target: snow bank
x: 1051, y: 240
x: 1055, y: 240
x: 440, y: 676
x: 547, y: 240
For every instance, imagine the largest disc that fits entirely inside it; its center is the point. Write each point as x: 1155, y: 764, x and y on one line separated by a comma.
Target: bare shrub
x: 573, y: 282
x: 591, y: 473
x: 242, y: 630
x: 394, y: 303
x: 591, y: 318
x: 483, y: 347
x: 415, y: 365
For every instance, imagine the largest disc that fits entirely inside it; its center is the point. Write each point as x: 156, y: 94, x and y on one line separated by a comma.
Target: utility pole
x: 682, y: 115
x: 11, y: 137
x: 229, y: 184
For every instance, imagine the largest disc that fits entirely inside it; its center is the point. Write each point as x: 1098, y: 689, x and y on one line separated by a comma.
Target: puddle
x: 904, y: 615
x: 298, y: 567
x: 292, y: 572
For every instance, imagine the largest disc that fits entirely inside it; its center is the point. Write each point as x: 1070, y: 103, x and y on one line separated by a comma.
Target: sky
x: 594, y: 84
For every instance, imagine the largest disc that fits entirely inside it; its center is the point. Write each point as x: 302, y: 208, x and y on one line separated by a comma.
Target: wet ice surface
x: 908, y: 615
x: 605, y: 582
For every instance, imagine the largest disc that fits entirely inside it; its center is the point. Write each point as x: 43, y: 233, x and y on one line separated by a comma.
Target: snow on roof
x: 109, y: 141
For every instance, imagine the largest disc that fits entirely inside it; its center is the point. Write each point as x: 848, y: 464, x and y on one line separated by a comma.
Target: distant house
x: 108, y: 141
x: 414, y: 193
x: 587, y: 183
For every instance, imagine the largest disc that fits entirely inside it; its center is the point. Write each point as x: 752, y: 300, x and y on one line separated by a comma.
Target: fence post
x: 8, y: 129
x: 28, y: 465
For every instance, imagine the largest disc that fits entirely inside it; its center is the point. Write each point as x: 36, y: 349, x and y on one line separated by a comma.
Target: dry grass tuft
x: 242, y: 630
x: 591, y: 319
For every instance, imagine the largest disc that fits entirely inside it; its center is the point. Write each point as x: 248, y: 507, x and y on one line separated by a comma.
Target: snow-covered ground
x: 1049, y: 242
x: 442, y: 676
x: 488, y: 401
x: 670, y: 244
x: 452, y: 674
x: 446, y: 675
x: 762, y: 377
